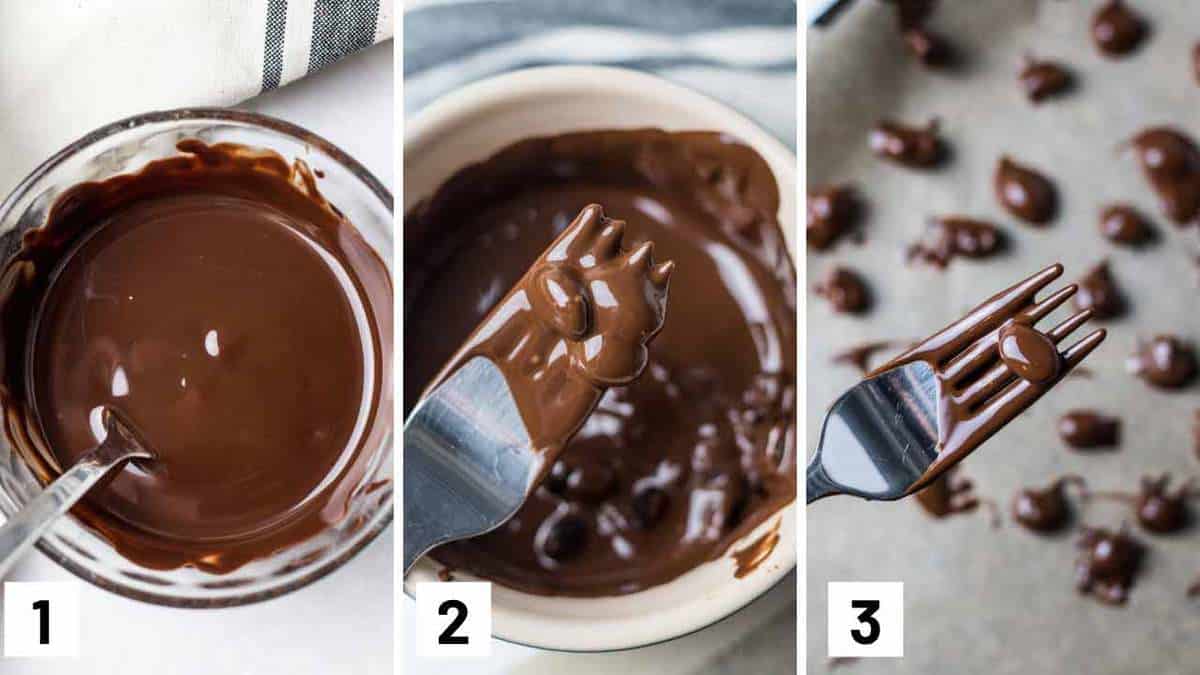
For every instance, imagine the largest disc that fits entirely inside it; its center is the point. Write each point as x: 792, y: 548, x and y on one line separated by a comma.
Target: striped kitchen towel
x: 742, y: 52
x: 69, y: 66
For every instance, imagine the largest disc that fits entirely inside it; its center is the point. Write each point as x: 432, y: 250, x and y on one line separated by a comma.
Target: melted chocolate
x: 184, y: 296
x: 1165, y: 362
x: 1107, y: 564
x: 1025, y: 193
x: 977, y: 395
x: 929, y: 48
x: 845, y: 290
x: 1045, y: 509
x: 749, y: 558
x: 1123, y: 224
x: 1116, y: 30
x: 1098, y: 292
x: 833, y: 212
x: 1161, y: 510
x: 918, y: 147
x: 1087, y: 429
x: 1042, y: 79
x: 1171, y: 162
x: 673, y: 468
x: 574, y: 325
x: 948, y: 237
x: 949, y: 494
x: 859, y: 356
x: 1028, y: 353
x: 1196, y: 433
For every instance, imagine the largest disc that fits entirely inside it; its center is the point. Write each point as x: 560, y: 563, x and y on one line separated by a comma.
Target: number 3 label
x: 41, y: 619
x: 866, y: 619
x: 454, y: 619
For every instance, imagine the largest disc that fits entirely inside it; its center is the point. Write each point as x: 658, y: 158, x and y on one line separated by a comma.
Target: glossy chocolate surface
x: 1165, y: 362
x: 845, y: 290
x: 242, y: 324
x: 1041, y: 80
x: 1098, y: 292
x: 1024, y: 192
x: 912, y: 146
x: 833, y: 212
x: 1045, y: 509
x: 673, y: 468
x: 1107, y: 565
x: 1170, y: 160
x: 1087, y: 429
x: 949, y: 237
x: 1116, y: 29
x: 1123, y: 224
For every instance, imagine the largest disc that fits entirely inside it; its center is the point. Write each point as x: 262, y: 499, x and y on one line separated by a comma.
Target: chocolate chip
x: 565, y: 536
x: 649, y: 506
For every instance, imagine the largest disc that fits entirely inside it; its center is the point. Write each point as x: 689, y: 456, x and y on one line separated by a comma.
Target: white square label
x: 866, y: 618
x: 41, y: 618
x: 454, y: 619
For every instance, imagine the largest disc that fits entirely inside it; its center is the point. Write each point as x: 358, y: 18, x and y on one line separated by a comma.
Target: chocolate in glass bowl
x: 672, y: 469
x: 237, y: 317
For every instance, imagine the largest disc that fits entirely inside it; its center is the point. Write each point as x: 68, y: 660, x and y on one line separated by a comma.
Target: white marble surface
x: 340, y: 624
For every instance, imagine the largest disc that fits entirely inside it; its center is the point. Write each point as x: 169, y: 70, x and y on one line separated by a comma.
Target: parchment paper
x: 980, y: 600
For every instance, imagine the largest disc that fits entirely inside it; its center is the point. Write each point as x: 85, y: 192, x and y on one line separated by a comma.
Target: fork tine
x: 997, y: 377
x: 1051, y: 303
x: 988, y: 315
x: 1069, y: 324
x: 976, y: 356
x: 1079, y: 351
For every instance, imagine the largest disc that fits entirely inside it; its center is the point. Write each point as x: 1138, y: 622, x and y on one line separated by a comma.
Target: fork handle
x: 819, y: 484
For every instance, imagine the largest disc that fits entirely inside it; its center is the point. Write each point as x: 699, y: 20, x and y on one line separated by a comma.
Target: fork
x: 916, y: 416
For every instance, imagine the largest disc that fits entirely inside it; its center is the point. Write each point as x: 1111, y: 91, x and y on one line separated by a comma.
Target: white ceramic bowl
x: 471, y: 124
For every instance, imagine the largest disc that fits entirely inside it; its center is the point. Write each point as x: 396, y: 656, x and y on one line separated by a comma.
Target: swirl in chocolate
x: 217, y: 300
x: 672, y: 469
x: 1025, y: 193
x: 1165, y: 362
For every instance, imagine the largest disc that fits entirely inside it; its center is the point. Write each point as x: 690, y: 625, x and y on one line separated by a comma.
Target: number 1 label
x: 41, y: 619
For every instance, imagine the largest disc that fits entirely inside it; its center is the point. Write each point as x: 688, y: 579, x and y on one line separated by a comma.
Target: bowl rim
x: 384, y: 516
x: 456, y: 106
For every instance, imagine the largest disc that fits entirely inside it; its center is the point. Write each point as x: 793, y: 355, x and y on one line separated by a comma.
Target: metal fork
x: 880, y: 440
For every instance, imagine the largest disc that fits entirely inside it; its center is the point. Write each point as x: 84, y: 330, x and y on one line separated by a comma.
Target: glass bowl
x: 126, y: 146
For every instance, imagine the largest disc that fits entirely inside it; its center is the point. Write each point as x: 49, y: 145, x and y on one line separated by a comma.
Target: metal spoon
x: 30, y: 523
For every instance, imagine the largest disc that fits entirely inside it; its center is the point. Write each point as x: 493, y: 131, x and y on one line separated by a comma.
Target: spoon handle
x: 32, y: 521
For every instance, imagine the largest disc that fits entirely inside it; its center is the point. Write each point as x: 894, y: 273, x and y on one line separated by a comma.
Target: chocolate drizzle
x: 1171, y: 162
x: 217, y: 300
x: 1165, y: 362
x: 1041, y: 80
x: 917, y: 147
x: 1098, y: 292
x: 859, y: 356
x: 1025, y: 193
x: 977, y: 394
x: 833, y: 212
x: 1089, y: 429
x: 1116, y: 30
x: 845, y: 290
x: 948, y: 494
x: 670, y: 470
x: 948, y: 237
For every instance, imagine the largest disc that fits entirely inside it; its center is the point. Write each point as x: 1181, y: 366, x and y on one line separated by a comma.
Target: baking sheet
x: 977, y: 599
